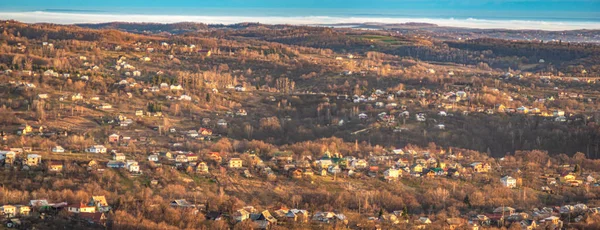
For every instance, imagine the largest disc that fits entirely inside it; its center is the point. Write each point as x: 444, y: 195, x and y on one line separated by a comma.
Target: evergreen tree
x: 467, y: 201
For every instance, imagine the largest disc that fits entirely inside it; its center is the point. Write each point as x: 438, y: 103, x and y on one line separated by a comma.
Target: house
x: 522, y: 110
x: 202, y: 168
x: 76, y: 97
x: 330, y: 218
x: 241, y: 215
x: 359, y: 164
x: 508, y: 181
x: 479, y: 167
x: 8, y: 210
x: 118, y: 156
x: 153, y: 157
x: 192, y: 133
x: 114, y: 138
x: 104, y: 106
x: 191, y: 157
x: 567, y: 178
x: 391, y: 174
x: 558, y: 113
x: 528, y: 224
x: 205, y: 132
x: 22, y: 210
x: 215, y: 156
x: 81, y: 208
x: 422, y: 222
x: 334, y: 169
x: 176, y: 87
x: 222, y: 123
x: 240, y: 88
x: 132, y: 166
x: 8, y: 156
x: 99, y: 202
x: 181, y: 158
x: 181, y: 203
x: 97, y: 149
x: 553, y: 222
x: 235, y: 163
x: 33, y: 160
x: 506, y: 211
x: 115, y: 164
x: 24, y: 129
x: 55, y: 166
x: 264, y: 219
x: 58, y: 149
x: 454, y: 223
x: 417, y: 168
x: 297, y: 215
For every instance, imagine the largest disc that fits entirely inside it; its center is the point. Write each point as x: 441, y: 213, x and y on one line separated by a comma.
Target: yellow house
x: 442, y: 164
x: 8, y: 210
x: 23, y: 210
x: 417, y: 168
x: 55, y: 167
x: 568, y: 177
x: 202, y: 168
x: 25, y: 129
x: 235, y: 163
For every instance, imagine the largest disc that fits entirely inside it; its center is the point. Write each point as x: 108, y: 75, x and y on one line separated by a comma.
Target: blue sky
x: 512, y: 5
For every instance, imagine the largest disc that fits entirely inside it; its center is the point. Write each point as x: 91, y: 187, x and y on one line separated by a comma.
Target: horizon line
x: 72, y: 18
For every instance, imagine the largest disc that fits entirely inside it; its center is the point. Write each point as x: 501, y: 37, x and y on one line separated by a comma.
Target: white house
x: 58, y: 149
x: 240, y: 88
x: 153, y: 158
x: 97, y: 149
x: 133, y: 166
x: 508, y: 181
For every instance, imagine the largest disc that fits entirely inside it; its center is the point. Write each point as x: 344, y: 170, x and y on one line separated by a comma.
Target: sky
x: 509, y: 14
x: 518, y: 5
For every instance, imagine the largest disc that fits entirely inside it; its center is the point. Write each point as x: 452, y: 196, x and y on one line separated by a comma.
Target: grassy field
x: 390, y: 40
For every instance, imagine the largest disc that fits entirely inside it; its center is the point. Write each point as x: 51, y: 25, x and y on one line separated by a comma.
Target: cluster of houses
x: 95, y: 211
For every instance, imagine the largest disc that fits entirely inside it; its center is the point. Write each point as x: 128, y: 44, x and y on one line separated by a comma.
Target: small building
x: 119, y: 156
x: 222, y: 123
x: 58, y: 149
x: 235, y: 163
x: 8, y: 210
x: 81, y: 208
x: 508, y: 181
x: 114, y: 138
x: 97, y: 149
x: 391, y: 174
x: 202, y: 168
x: 115, y: 164
x: 153, y: 157
x: 33, y: 160
x: 55, y: 166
